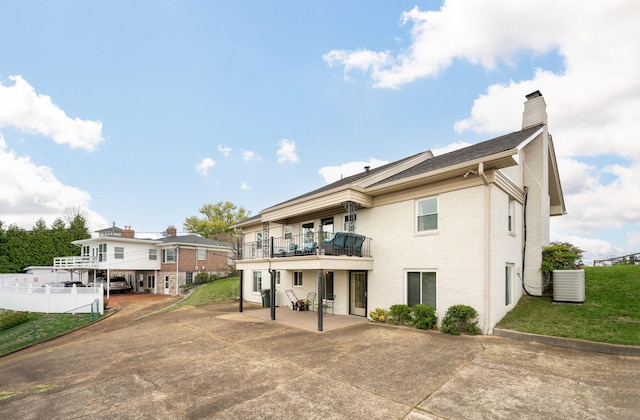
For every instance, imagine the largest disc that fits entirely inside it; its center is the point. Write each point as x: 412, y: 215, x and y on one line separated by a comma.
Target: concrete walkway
x: 212, y: 362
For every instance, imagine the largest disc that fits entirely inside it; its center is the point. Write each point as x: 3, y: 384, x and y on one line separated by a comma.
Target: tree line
x: 20, y: 248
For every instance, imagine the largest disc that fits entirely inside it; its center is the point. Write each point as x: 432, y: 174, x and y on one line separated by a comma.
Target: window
x: 297, y: 279
x: 277, y: 278
x: 189, y: 277
x: 151, y: 281
x: 259, y: 239
x: 118, y: 252
x: 307, y: 232
x: 328, y: 283
x: 421, y: 288
x: 169, y: 255
x: 202, y: 254
x: 85, y: 250
x: 427, y: 211
x: 288, y: 232
x: 153, y: 254
x: 102, y: 252
x: 511, y: 218
x: 257, y: 281
x: 350, y: 222
x: 508, y: 284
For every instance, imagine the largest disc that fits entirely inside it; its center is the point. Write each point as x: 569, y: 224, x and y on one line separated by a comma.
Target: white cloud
x: 30, y: 192
x: 593, y: 103
x: 287, y: 151
x: 334, y: 173
x: 249, y: 156
x: 204, y: 165
x: 21, y: 107
x: 449, y: 148
x: 226, y: 151
x: 245, y: 186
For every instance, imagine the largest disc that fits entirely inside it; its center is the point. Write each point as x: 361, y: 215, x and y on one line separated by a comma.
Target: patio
x: 305, y: 320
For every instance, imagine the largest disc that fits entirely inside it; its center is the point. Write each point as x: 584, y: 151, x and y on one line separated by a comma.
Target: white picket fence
x: 48, y: 299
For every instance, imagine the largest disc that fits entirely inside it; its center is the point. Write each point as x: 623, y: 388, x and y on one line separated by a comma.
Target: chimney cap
x: 366, y: 168
x: 532, y: 95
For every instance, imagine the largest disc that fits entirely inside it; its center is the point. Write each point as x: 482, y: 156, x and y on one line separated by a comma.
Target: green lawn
x: 610, y: 313
x: 217, y: 290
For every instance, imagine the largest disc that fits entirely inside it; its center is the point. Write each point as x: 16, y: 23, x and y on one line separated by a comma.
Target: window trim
x: 118, y: 253
x: 256, y: 280
x: 509, y: 269
x: 417, y: 215
x: 511, y: 216
x: 153, y: 254
x: 165, y: 256
x: 297, y: 279
x: 204, y: 256
x: 421, y: 272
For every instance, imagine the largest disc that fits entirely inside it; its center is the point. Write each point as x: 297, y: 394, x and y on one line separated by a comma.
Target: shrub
x: 560, y: 256
x: 201, y: 278
x: 13, y: 319
x: 379, y: 315
x: 423, y: 317
x: 460, y: 319
x: 400, y: 314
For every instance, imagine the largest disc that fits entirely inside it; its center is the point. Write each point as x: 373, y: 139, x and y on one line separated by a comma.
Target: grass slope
x: 610, y: 313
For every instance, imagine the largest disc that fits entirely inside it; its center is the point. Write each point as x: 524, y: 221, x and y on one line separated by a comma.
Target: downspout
x: 482, y: 174
x: 524, y: 238
x: 487, y: 274
x: 272, y: 295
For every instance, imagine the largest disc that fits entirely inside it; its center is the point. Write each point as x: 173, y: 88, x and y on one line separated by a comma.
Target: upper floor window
x: 350, y: 222
x: 307, y: 232
x: 427, y: 214
x: 202, y: 254
x: 102, y: 252
x: 259, y: 239
x: 511, y: 218
x: 153, y: 254
x: 169, y: 255
x: 118, y: 252
x: 85, y: 250
x: 288, y: 232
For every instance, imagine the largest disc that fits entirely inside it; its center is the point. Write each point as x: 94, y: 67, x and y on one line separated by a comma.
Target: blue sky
x: 142, y: 112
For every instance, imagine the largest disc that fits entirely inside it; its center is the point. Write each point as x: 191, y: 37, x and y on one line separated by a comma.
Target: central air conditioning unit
x: 568, y: 286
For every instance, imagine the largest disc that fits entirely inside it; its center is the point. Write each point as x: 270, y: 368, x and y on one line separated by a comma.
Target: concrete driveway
x: 212, y: 362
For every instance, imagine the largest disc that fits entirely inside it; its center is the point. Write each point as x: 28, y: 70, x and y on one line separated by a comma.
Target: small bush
x: 400, y: 314
x: 13, y: 319
x: 379, y: 315
x: 460, y: 319
x: 423, y: 317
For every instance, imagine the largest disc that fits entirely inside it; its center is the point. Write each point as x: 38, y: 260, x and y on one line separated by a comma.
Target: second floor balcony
x: 307, y: 245
x: 75, y: 262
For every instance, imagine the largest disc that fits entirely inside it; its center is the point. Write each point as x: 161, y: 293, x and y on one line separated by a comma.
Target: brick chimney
x: 127, y: 232
x: 535, y: 110
x: 171, y: 231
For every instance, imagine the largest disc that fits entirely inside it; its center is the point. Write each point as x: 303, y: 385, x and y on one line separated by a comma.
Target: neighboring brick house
x: 465, y: 227
x: 150, y: 265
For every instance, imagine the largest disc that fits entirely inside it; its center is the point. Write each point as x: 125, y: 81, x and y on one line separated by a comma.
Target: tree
x: 217, y: 220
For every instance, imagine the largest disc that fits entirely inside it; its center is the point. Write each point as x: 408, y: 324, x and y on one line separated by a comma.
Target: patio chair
x: 328, y: 303
x: 311, y: 300
x: 296, y: 304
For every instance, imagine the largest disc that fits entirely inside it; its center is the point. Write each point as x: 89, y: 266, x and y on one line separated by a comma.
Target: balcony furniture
x: 296, y: 304
x: 344, y: 243
x: 291, y: 250
x: 308, y: 249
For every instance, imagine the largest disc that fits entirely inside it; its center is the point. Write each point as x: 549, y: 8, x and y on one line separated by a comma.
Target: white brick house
x: 440, y: 230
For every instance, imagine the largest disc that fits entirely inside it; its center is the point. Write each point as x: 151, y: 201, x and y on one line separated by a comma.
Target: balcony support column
x: 320, y: 298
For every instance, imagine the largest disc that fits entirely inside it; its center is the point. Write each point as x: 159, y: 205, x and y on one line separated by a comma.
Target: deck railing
x: 307, y: 245
x: 75, y: 262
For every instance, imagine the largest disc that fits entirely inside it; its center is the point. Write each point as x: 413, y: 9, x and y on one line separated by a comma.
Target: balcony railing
x: 307, y: 245
x: 75, y: 262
